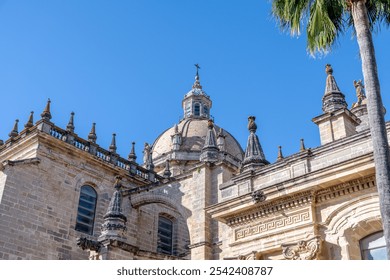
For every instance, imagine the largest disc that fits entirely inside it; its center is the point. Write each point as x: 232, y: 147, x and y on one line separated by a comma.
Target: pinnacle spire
x: 112, y: 147
x: 30, y: 122
x: 132, y: 156
x: 254, y: 155
x: 210, y: 137
x: 114, y: 224
x: 167, y: 171
x: 196, y: 103
x: 333, y: 98
x: 70, y: 126
x: 197, y: 83
x: 92, y: 134
x: 210, y: 149
x: 302, y: 147
x: 46, y: 115
x: 280, y: 153
x: 14, y: 132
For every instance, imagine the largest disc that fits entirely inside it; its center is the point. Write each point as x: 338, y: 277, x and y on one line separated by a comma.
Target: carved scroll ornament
x: 302, y: 250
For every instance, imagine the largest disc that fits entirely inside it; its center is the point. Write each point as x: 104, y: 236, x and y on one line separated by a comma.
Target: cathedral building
x: 197, y: 194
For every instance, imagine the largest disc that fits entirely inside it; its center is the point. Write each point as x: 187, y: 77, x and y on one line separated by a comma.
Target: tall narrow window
x: 165, y: 236
x: 206, y: 111
x: 188, y: 109
x: 197, y: 109
x: 86, y: 210
x: 373, y: 247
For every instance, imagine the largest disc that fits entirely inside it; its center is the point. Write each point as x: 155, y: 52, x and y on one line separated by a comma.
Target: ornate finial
x: 197, y: 69
x: 328, y: 69
x: 254, y: 155
x: 46, y: 115
x: 92, y: 134
x: 114, y: 225
x: 30, y: 122
x: 210, y: 148
x: 280, y: 154
x: 117, y: 184
x: 167, y: 172
x: 252, y: 127
x: 333, y: 98
x: 14, y: 132
x: 176, y: 128
x: 302, y: 148
x: 70, y: 126
x: 112, y: 147
x: 210, y: 124
x: 132, y: 157
x: 197, y: 83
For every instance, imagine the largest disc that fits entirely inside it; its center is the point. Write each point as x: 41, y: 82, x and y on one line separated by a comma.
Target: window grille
x: 86, y: 210
x: 165, y: 236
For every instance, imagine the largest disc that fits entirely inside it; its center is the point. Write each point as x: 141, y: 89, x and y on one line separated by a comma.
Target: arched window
x: 165, y: 236
x: 373, y: 247
x: 197, y: 109
x: 86, y: 210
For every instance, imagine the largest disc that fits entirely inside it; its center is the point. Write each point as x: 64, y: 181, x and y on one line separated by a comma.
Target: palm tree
x: 325, y: 20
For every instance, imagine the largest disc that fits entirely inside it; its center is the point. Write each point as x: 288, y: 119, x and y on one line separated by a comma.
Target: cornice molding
x: 301, y: 199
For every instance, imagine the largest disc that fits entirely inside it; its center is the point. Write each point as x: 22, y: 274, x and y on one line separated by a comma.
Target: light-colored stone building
x: 197, y: 195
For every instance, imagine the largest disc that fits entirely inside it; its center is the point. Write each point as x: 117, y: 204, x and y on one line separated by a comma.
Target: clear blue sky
x: 126, y: 65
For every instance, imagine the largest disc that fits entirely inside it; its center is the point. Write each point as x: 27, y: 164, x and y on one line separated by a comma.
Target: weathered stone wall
x: 39, y: 201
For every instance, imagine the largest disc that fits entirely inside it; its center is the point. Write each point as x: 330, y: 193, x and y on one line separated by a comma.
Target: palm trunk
x: 375, y: 113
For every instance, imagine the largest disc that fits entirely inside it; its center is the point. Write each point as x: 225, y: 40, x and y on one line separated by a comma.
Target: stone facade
x: 197, y: 195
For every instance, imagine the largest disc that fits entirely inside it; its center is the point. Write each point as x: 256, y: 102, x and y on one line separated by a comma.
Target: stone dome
x: 193, y: 133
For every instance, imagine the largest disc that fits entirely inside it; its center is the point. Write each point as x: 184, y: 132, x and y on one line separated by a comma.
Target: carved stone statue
x: 359, y: 93
x: 146, y: 153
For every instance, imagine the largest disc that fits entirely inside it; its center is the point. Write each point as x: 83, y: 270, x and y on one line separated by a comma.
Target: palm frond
x: 291, y: 13
x: 325, y: 25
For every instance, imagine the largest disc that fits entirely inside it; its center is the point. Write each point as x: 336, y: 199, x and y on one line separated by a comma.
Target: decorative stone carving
x: 254, y: 155
x: 258, y: 196
x: 272, y: 225
x: 114, y: 225
x: 254, y: 255
x: 333, y: 98
x: 210, y: 149
x: 146, y: 153
x: 85, y: 243
x: 302, y: 250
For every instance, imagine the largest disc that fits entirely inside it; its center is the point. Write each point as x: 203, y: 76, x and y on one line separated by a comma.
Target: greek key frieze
x: 272, y: 225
